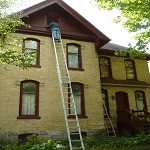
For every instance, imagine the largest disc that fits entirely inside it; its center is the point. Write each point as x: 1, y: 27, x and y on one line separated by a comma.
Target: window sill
x: 36, y: 66
x: 77, y: 69
x: 79, y: 116
x: 28, y: 117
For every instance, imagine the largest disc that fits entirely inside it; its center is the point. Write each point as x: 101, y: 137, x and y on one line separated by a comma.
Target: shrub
x: 120, y: 142
x: 36, y: 142
x: 139, y: 142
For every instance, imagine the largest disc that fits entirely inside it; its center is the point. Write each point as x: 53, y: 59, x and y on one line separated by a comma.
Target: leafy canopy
x: 134, y: 16
x: 11, y: 44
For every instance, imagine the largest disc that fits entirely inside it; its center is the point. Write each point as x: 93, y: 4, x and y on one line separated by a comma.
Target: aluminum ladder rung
x: 70, y: 114
x: 67, y: 92
x: 71, y: 121
x: 76, y: 140
x: 74, y: 133
x: 78, y: 148
x: 69, y: 108
x: 64, y: 78
x: 64, y: 84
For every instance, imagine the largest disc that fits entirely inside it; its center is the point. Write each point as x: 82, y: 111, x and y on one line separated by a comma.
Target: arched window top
x: 75, y: 44
x: 31, y: 43
x: 104, y: 90
x: 29, y: 86
x: 104, y: 57
x: 139, y: 91
x: 129, y: 62
x: 34, y: 81
x: 77, y: 87
x: 32, y: 39
x: 77, y: 83
x: 73, y: 48
x: 139, y: 95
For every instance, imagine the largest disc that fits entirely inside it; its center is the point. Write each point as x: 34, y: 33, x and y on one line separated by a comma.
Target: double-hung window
x: 140, y: 100
x: 105, y: 67
x: 74, y: 56
x: 29, y: 100
x: 78, y: 93
x: 130, y: 69
x: 32, y: 50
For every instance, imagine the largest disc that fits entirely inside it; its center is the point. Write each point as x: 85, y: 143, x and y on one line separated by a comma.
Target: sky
x: 101, y: 19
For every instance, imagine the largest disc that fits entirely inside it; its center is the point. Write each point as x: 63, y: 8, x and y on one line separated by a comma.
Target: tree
x: 11, y: 44
x: 134, y: 16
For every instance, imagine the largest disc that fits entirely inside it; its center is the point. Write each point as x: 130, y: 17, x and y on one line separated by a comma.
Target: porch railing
x: 143, y: 114
x: 136, y: 123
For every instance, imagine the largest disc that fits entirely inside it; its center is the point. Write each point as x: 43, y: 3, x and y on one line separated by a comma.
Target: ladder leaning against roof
x: 72, y: 125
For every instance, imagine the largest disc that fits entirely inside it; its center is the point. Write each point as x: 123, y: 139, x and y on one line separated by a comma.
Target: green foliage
x: 36, y: 142
x: 139, y: 142
x: 12, y: 147
x: 11, y: 45
x: 134, y: 16
x: 132, y: 53
x: 120, y: 53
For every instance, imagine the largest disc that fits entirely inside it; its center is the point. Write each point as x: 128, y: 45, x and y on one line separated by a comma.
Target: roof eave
x: 76, y: 15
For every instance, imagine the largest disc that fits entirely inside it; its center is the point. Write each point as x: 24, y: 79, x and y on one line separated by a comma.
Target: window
x: 105, y: 100
x: 105, y: 67
x: 78, y: 93
x: 32, y: 48
x: 140, y: 100
x: 130, y: 69
x: 74, y: 56
x: 29, y: 100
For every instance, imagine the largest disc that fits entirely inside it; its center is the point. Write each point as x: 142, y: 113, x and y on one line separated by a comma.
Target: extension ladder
x: 72, y: 125
x: 110, y: 131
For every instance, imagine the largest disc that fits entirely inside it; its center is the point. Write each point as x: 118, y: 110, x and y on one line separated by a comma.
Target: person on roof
x: 55, y: 30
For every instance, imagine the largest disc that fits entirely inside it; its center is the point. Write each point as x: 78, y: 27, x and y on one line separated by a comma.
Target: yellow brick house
x: 125, y: 86
x: 86, y: 50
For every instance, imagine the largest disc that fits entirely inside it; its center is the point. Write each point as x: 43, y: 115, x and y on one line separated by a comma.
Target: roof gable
x: 72, y: 24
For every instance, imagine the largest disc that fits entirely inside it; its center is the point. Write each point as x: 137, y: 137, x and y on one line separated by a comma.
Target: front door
x: 122, y: 104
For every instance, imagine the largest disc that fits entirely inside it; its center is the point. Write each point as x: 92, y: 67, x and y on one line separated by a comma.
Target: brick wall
x: 51, y: 124
x: 119, y: 73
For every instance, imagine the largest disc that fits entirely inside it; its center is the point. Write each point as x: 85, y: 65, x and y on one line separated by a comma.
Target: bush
x: 139, y: 142
x: 36, y: 142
